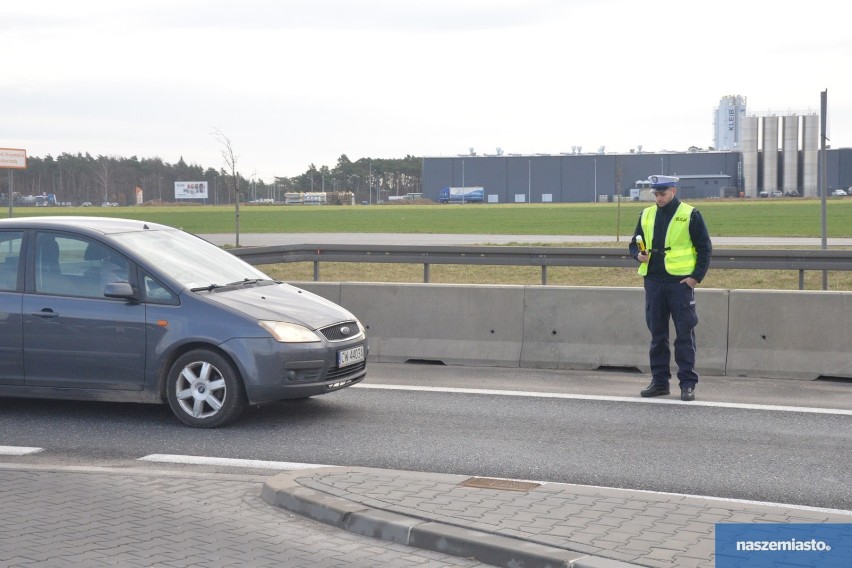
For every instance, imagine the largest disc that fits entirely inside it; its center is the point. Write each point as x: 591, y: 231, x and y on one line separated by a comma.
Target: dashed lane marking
x: 18, y: 450
x: 203, y: 460
x: 265, y: 464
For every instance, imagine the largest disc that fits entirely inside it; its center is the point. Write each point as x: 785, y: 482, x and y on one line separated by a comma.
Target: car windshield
x: 192, y: 261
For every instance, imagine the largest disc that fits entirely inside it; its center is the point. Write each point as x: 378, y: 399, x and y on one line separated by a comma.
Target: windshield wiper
x: 243, y: 282
x: 247, y: 281
x: 207, y: 288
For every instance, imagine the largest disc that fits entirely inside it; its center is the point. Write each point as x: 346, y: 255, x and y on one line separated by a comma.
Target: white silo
x: 749, y: 153
x: 770, y: 153
x: 790, y: 152
x: 728, y: 121
x: 810, y: 154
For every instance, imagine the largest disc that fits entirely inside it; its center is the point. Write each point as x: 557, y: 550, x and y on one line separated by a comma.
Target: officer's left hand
x: 690, y: 281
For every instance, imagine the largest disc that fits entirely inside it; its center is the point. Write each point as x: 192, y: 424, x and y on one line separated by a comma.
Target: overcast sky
x: 295, y: 82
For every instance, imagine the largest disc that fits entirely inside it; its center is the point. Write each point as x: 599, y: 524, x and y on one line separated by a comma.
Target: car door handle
x: 46, y: 313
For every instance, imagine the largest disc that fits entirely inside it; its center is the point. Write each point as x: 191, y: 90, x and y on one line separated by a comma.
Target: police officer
x: 673, y: 246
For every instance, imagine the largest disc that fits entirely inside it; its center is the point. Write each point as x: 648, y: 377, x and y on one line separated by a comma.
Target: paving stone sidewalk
x: 142, y: 518
x: 508, y: 524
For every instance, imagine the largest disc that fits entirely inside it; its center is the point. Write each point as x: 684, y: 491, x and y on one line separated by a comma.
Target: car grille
x: 308, y: 376
x: 341, y: 331
x: 337, y: 372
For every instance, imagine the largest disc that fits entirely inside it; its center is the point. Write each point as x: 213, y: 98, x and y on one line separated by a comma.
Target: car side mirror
x: 119, y: 290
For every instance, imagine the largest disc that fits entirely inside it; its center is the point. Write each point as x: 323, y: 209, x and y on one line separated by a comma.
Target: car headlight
x: 361, y: 327
x: 290, y: 332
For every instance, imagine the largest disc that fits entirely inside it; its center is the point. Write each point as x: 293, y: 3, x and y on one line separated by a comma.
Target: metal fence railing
x: 544, y: 257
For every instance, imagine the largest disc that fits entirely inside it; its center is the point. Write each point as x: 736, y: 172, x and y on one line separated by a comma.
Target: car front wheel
x: 204, y: 390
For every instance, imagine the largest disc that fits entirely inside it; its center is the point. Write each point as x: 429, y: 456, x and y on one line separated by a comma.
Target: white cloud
x: 302, y: 81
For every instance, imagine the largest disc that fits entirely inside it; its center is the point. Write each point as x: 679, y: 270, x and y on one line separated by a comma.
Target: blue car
x: 123, y: 310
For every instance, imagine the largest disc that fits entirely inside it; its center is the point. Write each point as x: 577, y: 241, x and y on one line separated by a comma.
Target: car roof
x: 104, y: 225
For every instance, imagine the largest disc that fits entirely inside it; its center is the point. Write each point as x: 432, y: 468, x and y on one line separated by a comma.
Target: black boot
x: 655, y: 389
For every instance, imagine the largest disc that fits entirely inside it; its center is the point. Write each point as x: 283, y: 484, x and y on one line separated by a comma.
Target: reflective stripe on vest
x: 680, y: 254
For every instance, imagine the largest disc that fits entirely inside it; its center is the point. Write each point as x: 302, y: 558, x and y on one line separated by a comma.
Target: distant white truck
x: 462, y: 195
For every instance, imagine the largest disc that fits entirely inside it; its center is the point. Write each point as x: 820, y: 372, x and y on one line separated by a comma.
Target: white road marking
x: 201, y: 460
x: 705, y: 497
x: 18, y: 450
x: 737, y: 405
x: 230, y: 462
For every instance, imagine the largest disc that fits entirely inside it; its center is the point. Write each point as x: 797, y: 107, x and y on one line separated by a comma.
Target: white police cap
x: 663, y: 182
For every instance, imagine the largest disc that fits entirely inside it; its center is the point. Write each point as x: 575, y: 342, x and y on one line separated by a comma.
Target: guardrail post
x: 544, y: 275
x: 801, y: 280
x: 316, y: 271
x: 426, y: 266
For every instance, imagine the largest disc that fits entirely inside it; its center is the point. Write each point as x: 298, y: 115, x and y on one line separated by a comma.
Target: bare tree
x: 231, y: 163
x: 102, y: 175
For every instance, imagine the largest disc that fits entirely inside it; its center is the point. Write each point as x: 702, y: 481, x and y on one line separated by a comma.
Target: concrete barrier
x: 712, y: 331
x: 594, y: 327
x: 584, y: 328
x: 460, y: 325
x: 740, y: 332
x: 790, y: 334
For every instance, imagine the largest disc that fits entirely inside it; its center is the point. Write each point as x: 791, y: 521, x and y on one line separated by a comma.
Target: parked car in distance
x: 839, y: 193
x: 763, y: 194
x: 123, y: 310
x: 777, y: 193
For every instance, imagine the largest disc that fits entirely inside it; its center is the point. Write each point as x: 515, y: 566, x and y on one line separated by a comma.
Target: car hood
x: 282, y: 302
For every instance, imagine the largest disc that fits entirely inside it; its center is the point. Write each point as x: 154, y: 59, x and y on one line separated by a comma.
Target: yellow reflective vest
x: 680, y: 254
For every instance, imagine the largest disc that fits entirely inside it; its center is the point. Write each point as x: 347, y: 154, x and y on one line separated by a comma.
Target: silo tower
x: 728, y: 121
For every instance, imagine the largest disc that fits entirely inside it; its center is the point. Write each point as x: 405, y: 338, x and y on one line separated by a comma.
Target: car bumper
x: 276, y: 371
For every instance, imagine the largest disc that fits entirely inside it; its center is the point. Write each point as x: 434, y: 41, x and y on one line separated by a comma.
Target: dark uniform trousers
x: 664, y: 300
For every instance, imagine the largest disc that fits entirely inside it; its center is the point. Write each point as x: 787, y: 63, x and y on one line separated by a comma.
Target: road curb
x: 285, y: 491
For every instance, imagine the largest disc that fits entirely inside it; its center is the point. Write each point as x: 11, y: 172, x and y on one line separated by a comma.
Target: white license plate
x: 350, y: 356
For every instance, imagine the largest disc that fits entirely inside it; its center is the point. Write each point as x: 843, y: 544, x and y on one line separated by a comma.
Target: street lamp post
x: 596, y: 179
x: 529, y: 181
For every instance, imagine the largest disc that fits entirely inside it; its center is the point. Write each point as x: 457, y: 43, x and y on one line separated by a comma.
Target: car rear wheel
x: 204, y: 390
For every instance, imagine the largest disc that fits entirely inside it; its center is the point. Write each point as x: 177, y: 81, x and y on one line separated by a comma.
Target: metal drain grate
x: 500, y: 484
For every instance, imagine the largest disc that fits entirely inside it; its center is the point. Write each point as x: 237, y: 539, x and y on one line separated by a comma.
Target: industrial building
x: 756, y: 154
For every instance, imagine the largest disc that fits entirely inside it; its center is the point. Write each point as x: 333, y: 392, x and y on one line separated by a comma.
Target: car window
x: 10, y: 254
x: 156, y: 292
x: 74, y: 266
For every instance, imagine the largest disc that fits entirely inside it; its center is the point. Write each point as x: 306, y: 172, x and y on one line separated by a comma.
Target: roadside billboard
x: 14, y: 158
x: 190, y: 190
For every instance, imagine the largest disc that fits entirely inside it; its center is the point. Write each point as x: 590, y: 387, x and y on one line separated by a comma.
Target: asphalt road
x: 759, y: 452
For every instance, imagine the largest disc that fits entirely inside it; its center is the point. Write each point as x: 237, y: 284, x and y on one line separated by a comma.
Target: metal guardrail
x: 738, y: 259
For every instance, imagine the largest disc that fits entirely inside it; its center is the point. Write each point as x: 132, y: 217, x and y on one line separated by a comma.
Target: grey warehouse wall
x: 580, y: 177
